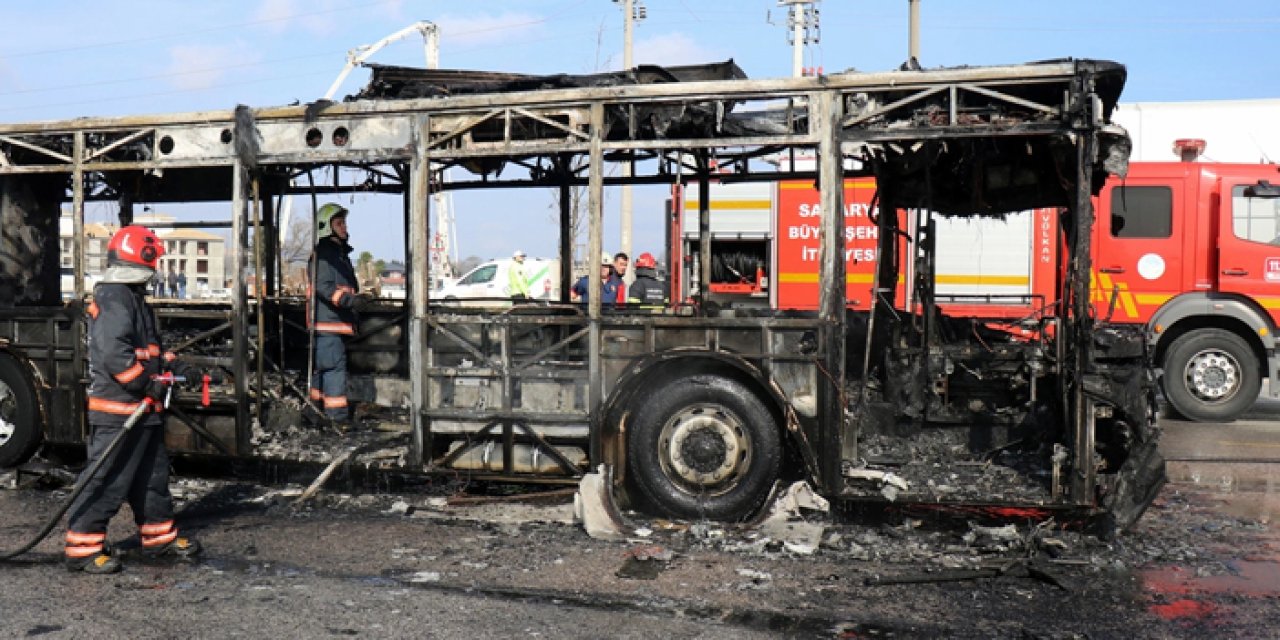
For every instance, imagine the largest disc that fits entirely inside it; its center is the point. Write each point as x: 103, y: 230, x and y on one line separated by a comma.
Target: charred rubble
x: 974, y: 413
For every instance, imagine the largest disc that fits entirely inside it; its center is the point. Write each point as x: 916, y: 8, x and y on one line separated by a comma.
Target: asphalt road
x: 1237, y: 462
x: 1255, y: 437
x: 1203, y: 562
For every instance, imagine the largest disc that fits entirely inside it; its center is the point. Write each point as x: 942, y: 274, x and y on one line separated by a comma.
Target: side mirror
x: 1263, y: 189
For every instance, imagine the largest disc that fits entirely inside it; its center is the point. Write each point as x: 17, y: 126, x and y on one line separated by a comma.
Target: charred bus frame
x: 547, y: 392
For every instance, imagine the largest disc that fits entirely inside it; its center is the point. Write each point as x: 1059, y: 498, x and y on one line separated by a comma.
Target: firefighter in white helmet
x: 608, y: 286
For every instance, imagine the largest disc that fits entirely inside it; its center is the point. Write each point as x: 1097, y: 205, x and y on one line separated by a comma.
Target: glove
x: 156, y: 390
x: 362, y: 300
x: 184, y: 370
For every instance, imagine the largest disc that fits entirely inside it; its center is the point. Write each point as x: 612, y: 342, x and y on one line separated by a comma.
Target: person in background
x: 171, y: 281
x: 620, y: 262
x: 182, y: 283
x: 157, y: 284
x: 609, y: 290
x: 518, y: 278
x: 125, y: 357
x: 648, y: 291
x: 162, y: 282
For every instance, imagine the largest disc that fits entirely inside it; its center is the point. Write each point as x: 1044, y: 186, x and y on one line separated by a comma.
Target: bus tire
x: 20, y: 432
x: 702, y: 447
x: 1210, y: 375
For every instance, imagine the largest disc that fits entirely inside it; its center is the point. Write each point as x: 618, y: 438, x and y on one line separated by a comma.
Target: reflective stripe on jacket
x: 648, y: 291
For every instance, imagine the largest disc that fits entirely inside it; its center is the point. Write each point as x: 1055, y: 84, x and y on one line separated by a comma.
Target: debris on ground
x: 644, y: 562
x: 795, y: 519
x: 593, y: 506
x: 890, y: 484
x: 755, y: 580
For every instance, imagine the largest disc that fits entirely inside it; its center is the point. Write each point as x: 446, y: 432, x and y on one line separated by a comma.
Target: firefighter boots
x: 96, y: 564
x: 181, y: 548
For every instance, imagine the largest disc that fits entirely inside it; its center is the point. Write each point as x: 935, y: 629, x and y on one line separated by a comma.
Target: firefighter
x: 124, y: 358
x: 647, y: 290
x: 337, y: 299
x: 608, y: 286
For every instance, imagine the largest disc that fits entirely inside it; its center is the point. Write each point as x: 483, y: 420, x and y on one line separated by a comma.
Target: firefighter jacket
x: 124, y: 352
x: 335, y: 287
x: 647, y: 291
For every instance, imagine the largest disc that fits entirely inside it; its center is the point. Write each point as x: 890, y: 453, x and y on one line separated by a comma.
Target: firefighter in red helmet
x: 125, y: 357
x: 648, y: 291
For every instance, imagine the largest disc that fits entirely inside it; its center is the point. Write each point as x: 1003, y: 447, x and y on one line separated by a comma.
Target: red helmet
x: 134, y: 244
x: 646, y: 261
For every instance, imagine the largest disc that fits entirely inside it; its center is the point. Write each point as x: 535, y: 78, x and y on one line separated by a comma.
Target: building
x: 200, y: 254
x: 95, y: 249
x: 391, y: 280
x: 1234, y: 130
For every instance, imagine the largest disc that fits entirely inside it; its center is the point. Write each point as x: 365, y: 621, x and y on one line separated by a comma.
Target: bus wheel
x: 703, y: 446
x: 19, y: 419
x: 1210, y: 375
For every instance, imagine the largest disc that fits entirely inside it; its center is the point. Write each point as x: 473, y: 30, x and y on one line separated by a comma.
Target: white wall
x: 1245, y: 131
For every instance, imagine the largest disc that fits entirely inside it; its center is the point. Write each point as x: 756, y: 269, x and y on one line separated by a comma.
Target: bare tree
x: 297, y: 245
x: 466, y: 264
x: 578, y: 195
x: 578, y: 200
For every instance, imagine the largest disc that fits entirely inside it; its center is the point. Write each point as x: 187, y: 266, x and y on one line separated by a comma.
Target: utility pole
x: 913, y: 35
x: 632, y: 11
x: 802, y: 18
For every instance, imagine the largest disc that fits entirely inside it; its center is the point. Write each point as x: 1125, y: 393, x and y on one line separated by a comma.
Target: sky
x: 64, y: 59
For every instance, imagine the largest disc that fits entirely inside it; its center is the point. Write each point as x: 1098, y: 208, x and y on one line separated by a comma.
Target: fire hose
x: 108, y: 454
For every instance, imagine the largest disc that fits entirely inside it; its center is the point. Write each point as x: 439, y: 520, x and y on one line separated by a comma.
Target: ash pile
x: 977, y: 463
x: 377, y: 438
x: 290, y: 428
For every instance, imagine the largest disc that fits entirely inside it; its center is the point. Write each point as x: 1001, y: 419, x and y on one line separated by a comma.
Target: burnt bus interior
x: 700, y: 409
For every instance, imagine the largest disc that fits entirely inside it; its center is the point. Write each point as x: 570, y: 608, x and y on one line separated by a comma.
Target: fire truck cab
x: 1193, y: 250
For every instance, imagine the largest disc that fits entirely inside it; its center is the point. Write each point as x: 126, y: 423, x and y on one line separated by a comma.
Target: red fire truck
x: 1190, y: 249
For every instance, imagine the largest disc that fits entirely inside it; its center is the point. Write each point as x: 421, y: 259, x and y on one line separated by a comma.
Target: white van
x: 490, y: 281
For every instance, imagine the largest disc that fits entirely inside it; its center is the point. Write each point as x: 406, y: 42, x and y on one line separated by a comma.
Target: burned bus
x: 699, y: 410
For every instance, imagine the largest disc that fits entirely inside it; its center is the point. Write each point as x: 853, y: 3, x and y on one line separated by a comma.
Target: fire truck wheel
x: 19, y: 420
x: 703, y: 446
x: 1210, y: 375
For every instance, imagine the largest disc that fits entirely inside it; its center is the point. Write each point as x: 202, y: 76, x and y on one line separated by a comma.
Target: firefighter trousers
x: 139, y: 473
x: 329, y: 381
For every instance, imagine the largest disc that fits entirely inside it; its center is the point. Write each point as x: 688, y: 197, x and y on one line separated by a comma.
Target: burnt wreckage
x: 698, y: 410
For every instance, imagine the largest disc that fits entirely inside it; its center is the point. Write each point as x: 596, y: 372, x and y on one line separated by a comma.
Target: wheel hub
x: 1213, y: 375
x: 704, y: 446
x: 704, y: 450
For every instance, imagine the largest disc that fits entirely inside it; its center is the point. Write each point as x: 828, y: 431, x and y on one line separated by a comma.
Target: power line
x: 187, y: 34
x: 176, y: 74
x: 134, y: 96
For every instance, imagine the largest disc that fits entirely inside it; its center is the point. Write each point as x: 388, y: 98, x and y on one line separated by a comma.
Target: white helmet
x: 518, y: 254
